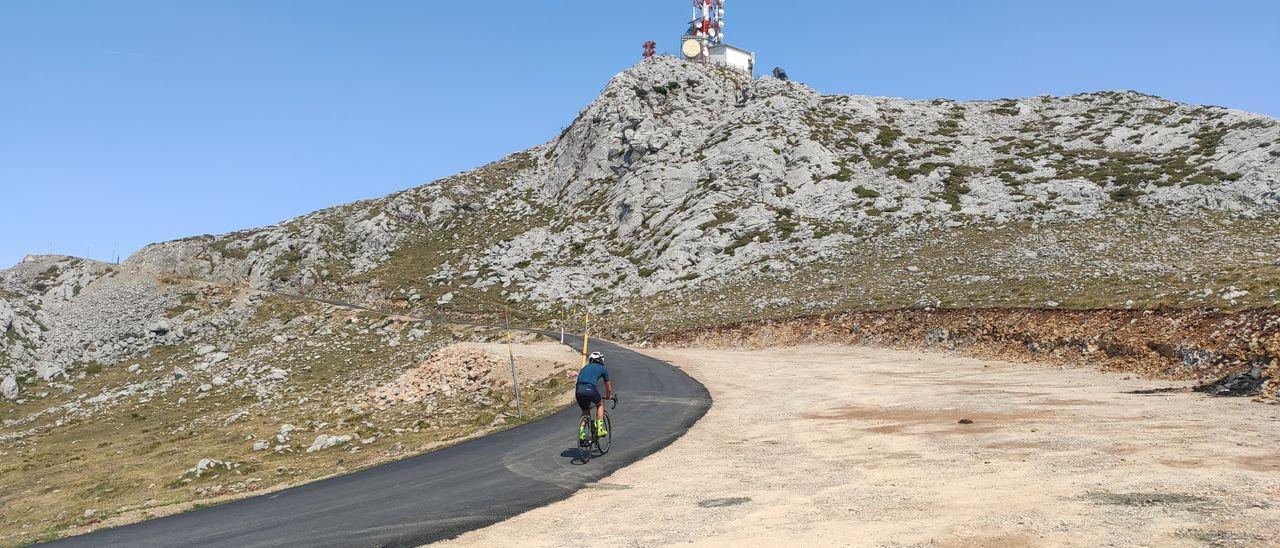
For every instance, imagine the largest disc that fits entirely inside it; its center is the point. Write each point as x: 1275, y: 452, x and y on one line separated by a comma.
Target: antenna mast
x: 708, y: 21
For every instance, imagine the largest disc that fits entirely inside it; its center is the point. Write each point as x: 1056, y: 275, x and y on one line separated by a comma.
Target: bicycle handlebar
x: 614, y: 399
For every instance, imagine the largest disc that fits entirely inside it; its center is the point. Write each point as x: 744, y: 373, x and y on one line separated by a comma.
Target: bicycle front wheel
x: 604, y: 441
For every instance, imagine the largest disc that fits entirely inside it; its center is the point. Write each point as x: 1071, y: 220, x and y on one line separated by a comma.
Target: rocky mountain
x: 688, y: 194
x: 686, y: 203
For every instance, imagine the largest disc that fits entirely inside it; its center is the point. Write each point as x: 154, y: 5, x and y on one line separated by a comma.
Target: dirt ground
x: 534, y: 360
x: 865, y: 446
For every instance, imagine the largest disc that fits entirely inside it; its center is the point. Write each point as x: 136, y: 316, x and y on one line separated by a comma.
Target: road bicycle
x: 594, y: 442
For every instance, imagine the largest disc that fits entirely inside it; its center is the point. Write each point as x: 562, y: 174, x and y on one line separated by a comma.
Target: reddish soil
x: 1182, y: 344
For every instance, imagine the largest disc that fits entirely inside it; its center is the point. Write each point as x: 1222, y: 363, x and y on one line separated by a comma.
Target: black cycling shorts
x: 587, y: 394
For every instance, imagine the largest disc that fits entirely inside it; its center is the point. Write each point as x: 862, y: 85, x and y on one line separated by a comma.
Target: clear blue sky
x: 125, y: 122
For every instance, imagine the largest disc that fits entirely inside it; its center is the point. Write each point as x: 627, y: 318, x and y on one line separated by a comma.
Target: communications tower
x: 704, y: 39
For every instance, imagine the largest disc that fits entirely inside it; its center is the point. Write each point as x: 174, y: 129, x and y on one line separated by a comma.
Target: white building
x: 734, y: 58
x: 695, y: 48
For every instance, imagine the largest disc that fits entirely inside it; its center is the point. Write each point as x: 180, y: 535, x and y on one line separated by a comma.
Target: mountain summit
x: 691, y: 193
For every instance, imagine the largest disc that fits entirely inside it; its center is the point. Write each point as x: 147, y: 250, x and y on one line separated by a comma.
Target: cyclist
x: 587, y: 393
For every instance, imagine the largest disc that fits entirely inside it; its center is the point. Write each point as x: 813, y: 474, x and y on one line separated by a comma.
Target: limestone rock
x: 9, y: 388
x: 324, y: 441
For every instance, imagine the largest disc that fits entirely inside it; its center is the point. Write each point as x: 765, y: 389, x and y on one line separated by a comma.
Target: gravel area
x: 881, y: 447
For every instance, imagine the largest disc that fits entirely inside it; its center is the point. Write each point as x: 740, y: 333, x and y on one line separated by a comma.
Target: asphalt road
x: 447, y: 492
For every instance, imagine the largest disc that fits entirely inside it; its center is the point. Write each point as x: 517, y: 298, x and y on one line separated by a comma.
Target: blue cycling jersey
x: 592, y: 373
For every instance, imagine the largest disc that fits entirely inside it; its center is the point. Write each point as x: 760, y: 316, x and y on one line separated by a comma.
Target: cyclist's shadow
x: 574, y: 456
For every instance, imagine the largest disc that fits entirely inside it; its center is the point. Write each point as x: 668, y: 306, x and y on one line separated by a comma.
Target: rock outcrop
x: 9, y: 388
x: 682, y: 173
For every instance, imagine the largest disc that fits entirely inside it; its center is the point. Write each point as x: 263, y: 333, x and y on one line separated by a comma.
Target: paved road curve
x: 447, y: 492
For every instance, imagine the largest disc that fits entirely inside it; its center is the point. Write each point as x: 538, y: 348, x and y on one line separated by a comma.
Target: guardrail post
x: 511, y: 355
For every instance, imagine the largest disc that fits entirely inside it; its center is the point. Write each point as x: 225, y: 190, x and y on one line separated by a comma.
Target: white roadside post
x: 515, y: 381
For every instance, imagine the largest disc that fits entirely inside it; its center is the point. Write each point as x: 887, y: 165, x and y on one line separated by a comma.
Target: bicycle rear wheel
x: 603, y: 442
x: 584, y: 445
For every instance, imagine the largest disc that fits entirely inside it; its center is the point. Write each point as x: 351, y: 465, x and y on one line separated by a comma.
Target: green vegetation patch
x: 864, y: 192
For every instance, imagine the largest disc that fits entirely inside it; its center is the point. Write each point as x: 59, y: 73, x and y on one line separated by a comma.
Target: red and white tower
x: 704, y: 40
x: 708, y: 21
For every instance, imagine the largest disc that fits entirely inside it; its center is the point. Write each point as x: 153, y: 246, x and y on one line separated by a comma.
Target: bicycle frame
x: 593, y: 438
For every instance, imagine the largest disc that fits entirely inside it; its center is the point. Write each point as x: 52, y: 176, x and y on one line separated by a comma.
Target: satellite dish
x: 691, y: 48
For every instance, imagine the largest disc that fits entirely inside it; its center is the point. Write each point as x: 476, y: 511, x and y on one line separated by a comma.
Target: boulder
x: 9, y: 388
x: 936, y: 335
x: 325, y: 441
x: 47, y: 371
x: 6, y: 317
x: 160, y: 328
x: 207, y: 464
x: 1246, y: 383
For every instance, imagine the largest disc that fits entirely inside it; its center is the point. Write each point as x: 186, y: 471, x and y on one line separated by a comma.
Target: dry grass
x: 1120, y: 263
x: 131, y: 460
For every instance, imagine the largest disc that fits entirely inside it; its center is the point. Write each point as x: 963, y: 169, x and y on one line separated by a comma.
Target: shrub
x: 786, y: 225
x: 722, y: 216
x: 844, y: 174
x: 948, y: 128
x: 1125, y: 194
x: 953, y: 186
x: 864, y: 192
x: 887, y: 136
x: 235, y: 253
x: 745, y: 239
x: 1207, y: 141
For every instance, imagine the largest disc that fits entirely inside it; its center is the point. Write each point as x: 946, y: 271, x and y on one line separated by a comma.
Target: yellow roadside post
x: 586, y: 335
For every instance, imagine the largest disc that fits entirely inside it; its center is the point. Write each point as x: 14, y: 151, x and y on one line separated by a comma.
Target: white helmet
x: 596, y: 357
